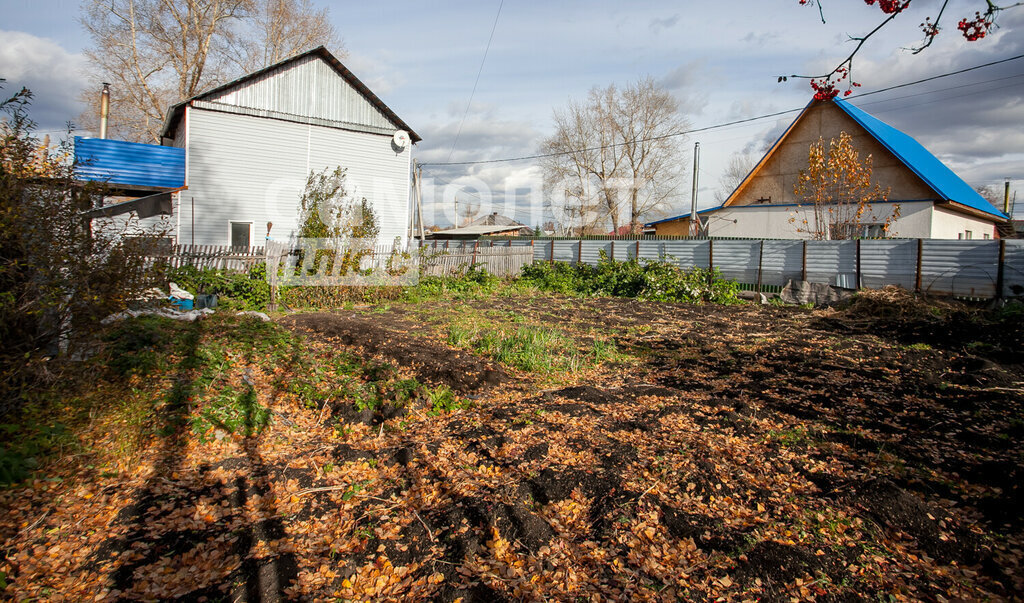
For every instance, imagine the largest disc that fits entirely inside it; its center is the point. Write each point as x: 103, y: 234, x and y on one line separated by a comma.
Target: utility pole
x: 419, y: 200
x: 694, y: 218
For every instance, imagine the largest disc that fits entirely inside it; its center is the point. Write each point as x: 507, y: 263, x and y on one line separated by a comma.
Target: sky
x: 720, y: 60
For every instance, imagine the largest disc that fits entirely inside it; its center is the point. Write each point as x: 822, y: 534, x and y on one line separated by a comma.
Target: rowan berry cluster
x: 976, y: 28
x: 930, y: 29
x: 889, y: 6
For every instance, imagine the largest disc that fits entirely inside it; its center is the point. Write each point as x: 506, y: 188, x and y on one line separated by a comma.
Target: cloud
x: 378, y: 75
x: 511, y: 188
x: 657, y: 24
x: 688, y: 83
x: 54, y: 75
x: 761, y: 39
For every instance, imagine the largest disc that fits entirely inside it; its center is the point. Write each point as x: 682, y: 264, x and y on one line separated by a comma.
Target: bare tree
x: 647, y: 117
x: 617, y: 152
x: 279, y: 29
x: 740, y: 164
x: 158, y: 52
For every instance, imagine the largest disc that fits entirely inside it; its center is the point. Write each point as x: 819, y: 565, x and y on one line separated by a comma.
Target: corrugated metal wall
x: 130, y: 163
x: 251, y: 169
x: 961, y: 268
x: 309, y: 88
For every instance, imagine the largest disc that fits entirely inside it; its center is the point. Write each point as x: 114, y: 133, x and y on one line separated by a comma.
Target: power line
x: 475, y: 82
x: 712, y: 127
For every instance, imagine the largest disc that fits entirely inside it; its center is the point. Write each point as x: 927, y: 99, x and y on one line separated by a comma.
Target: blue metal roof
x: 681, y: 216
x: 129, y: 163
x: 927, y: 167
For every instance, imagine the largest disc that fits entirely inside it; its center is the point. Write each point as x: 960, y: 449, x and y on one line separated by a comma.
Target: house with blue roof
x: 929, y: 199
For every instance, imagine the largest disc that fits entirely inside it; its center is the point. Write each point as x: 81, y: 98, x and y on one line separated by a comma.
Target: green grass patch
x: 534, y: 349
x: 232, y: 411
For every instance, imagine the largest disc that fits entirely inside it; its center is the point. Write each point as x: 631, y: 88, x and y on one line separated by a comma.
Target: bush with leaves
x: 648, y: 280
x: 58, y: 275
x: 235, y: 290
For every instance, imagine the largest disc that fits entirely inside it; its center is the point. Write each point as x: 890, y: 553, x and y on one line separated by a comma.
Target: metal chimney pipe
x: 1006, y: 198
x: 104, y: 109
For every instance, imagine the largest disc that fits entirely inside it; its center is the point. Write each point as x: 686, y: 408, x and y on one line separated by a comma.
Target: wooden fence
x: 499, y: 261
x: 221, y: 257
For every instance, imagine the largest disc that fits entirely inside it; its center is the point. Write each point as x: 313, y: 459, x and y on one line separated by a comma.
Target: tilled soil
x: 750, y: 453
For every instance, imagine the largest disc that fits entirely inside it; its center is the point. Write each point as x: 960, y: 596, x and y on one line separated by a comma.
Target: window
x: 988, y: 236
x: 241, y: 234
x: 968, y: 235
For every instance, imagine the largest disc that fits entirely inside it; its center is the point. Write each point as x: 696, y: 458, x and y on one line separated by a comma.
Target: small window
x: 241, y: 234
x: 968, y: 235
x: 987, y: 236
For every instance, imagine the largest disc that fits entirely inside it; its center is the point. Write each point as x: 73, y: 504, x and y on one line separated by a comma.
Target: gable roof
x: 949, y: 187
x: 919, y: 160
x: 494, y: 219
x: 176, y: 111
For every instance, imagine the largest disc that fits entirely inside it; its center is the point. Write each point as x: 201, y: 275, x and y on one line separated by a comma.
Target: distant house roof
x: 681, y: 216
x: 495, y: 219
x: 919, y: 160
x: 474, y: 231
x: 176, y: 111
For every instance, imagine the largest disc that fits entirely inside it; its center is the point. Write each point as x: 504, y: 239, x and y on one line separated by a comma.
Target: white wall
x: 948, y: 224
x: 783, y: 222
x: 253, y: 169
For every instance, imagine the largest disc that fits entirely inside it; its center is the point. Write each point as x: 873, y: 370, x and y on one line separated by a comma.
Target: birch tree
x: 615, y: 157
x: 279, y: 29
x: 155, y: 53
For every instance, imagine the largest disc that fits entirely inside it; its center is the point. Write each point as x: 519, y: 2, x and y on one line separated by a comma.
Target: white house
x: 932, y: 201
x: 251, y: 144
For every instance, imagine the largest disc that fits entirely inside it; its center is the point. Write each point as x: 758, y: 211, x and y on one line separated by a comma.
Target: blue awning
x: 129, y: 164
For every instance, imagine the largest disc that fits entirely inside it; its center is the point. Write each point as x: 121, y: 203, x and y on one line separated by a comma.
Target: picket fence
x: 220, y: 257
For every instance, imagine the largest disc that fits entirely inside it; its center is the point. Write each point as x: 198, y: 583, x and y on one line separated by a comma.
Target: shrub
x: 648, y: 280
x: 241, y: 291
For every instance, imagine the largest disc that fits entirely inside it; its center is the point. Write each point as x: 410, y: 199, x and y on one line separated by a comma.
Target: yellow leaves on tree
x: 837, y: 185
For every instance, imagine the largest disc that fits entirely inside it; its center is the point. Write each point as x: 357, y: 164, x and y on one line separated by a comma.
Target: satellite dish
x: 401, y: 139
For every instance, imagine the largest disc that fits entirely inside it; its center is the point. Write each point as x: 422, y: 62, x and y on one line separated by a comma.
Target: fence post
x: 920, y: 262
x: 552, y: 252
x: 637, y: 254
x: 476, y: 244
x: 612, y: 258
x: 1000, y: 272
x: 760, y: 264
x: 711, y: 261
x: 579, y: 252
x: 803, y: 263
x: 857, y: 282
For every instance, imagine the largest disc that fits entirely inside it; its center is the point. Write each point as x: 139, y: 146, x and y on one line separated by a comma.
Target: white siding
x: 309, y: 87
x: 948, y: 224
x: 253, y: 169
x: 773, y: 222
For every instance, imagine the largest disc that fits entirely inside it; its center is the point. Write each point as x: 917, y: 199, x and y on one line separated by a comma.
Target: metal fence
x: 978, y: 269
